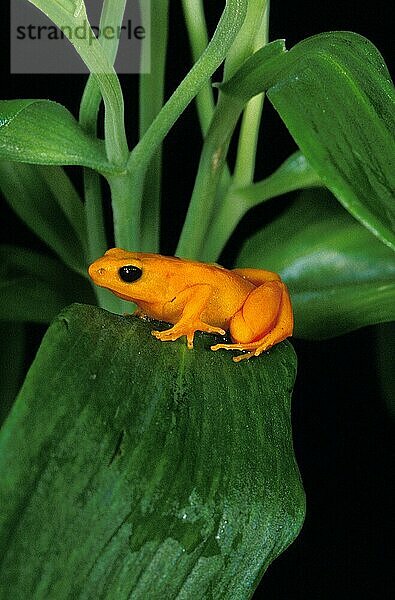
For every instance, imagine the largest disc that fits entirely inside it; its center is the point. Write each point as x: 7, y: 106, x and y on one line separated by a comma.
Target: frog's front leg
x: 193, y: 301
x: 265, y: 319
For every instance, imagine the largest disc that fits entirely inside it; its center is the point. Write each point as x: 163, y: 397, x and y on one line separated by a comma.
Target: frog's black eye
x: 130, y: 273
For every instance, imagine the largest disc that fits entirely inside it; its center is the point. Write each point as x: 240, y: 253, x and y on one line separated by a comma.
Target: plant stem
x: 97, y: 239
x: 227, y: 29
x: 112, y: 13
x: 193, y: 240
x: 198, y: 38
x: 123, y: 224
x: 247, y: 41
x: 66, y: 17
x: 249, y: 131
x: 294, y: 174
x: 96, y: 235
x: 151, y: 101
x: 225, y: 216
x: 211, y: 165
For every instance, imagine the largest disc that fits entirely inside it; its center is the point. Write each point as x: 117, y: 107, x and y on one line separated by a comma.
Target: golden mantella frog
x: 253, y: 304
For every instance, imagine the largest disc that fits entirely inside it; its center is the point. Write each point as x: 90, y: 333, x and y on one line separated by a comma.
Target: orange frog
x: 253, y: 304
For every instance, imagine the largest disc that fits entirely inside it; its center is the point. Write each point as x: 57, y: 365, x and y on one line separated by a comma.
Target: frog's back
x: 190, y: 272
x: 229, y: 290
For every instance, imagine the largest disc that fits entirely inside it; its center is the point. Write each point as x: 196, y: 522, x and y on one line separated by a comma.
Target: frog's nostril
x: 96, y: 272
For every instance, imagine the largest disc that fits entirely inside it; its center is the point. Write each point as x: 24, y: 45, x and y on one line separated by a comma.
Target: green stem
x: 294, y: 174
x: 247, y: 144
x: 229, y: 208
x: 208, y: 178
x: 96, y: 235
x: 97, y: 240
x: 193, y: 241
x: 198, y: 38
x: 112, y: 13
x: 120, y: 195
x: 126, y: 228
x: 151, y: 101
x: 249, y: 131
x: 227, y: 29
x: 248, y: 39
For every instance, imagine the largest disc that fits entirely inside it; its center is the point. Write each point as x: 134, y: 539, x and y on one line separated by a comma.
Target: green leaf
x: 339, y: 275
x: 44, y: 132
x: 28, y: 191
x: 334, y: 94
x: 34, y: 287
x: 135, y: 468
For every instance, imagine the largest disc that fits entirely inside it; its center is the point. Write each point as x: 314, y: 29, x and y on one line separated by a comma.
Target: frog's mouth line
x: 123, y: 296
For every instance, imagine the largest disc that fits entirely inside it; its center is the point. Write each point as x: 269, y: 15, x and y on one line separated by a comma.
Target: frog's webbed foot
x: 238, y: 347
x: 187, y: 329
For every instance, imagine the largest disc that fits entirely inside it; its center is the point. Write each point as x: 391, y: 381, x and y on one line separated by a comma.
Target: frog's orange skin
x: 253, y: 304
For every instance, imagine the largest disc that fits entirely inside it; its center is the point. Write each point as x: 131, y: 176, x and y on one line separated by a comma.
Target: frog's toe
x: 219, y: 347
x: 226, y: 347
x: 244, y: 356
x: 210, y: 329
x: 190, y: 337
x: 170, y: 335
x: 161, y: 335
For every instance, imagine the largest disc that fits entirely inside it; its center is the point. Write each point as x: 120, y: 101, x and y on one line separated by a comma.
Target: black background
x: 342, y: 430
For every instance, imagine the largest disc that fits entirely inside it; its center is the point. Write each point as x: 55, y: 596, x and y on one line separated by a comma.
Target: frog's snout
x: 97, y: 271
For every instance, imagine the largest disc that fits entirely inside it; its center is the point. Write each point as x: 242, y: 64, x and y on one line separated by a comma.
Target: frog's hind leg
x: 264, y: 320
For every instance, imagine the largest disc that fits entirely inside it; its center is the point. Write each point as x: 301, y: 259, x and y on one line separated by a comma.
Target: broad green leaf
x: 34, y: 287
x: 334, y: 94
x: 133, y: 468
x: 12, y: 357
x: 339, y: 275
x: 45, y: 132
x: 28, y: 191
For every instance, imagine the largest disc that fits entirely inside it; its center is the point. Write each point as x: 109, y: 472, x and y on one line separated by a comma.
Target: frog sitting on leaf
x: 253, y: 304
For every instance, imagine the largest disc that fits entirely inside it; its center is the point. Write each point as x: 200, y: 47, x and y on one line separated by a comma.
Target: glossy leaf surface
x: 44, y: 132
x: 339, y: 275
x: 335, y: 95
x: 136, y: 468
